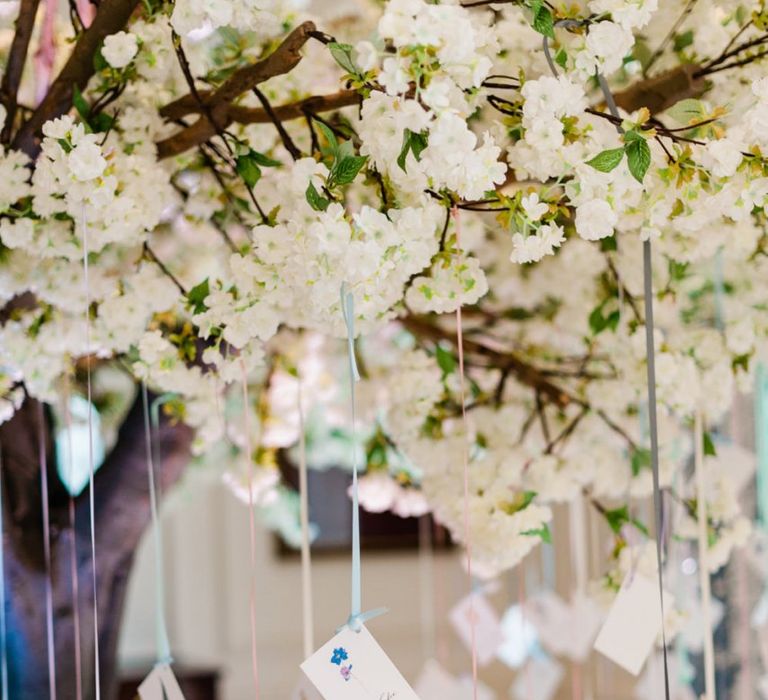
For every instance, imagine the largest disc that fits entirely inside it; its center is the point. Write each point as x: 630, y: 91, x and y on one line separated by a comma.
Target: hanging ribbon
x: 73, y: 551
x: 43, y: 462
x: 761, y: 438
x: 306, y: 554
x: 706, y: 594
x: 465, y: 459
x: 91, y: 500
x: 658, y: 497
x: 251, y: 530
x: 356, y: 617
x: 163, y: 646
x: 3, y: 638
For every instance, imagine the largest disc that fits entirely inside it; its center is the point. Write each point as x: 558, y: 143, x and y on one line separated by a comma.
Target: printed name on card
x: 633, y: 624
x: 161, y: 684
x: 488, y: 632
x: 352, y: 666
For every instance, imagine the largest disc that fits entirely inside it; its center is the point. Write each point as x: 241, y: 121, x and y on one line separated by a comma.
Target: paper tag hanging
x: 161, y: 684
x: 352, y: 666
x: 539, y: 679
x: 546, y: 612
x: 633, y: 624
x: 488, y: 635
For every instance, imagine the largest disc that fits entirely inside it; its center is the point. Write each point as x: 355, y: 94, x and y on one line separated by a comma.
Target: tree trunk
x: 122, y: 513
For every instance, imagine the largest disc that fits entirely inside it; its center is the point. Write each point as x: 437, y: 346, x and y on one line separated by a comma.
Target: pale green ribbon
x: 356, y: 617
x: 153, y: 456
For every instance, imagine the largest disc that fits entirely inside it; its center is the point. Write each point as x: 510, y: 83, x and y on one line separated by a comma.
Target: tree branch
x: 217, y: 104
x: 525, y: 372
x: 111, y: 17
x: 17, y: 58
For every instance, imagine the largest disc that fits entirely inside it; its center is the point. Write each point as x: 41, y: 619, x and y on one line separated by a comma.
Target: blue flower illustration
x: 339, y: 655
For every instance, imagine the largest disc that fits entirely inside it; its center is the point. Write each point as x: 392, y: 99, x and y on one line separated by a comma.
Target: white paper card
x: 304, y: 690
x: 435, y: 683
x: 546, y: 612
x: 633, y: 624
x: 161, y: 684
x: 488, y: 634
x: 539, y: 679
x: 352, y: 666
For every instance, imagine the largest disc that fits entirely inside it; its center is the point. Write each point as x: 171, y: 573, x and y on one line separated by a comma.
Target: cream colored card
x: 633, y: 624
x: 488, y: 634
x: 161, y: 684
x: 352, y: 666
x: 539, y: 679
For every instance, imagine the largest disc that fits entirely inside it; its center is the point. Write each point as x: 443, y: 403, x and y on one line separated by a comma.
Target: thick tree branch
x: 217, y: 104
x: 111, y: 17
x: 17, y: 58
x: 525, y: 372
x: 663, y: 90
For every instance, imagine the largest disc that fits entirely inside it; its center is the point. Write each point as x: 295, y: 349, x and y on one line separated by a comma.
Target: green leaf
x: 561, y: 58
x: 263, y: 160
x: 686, y: 111
x: 638, y: 157
x: 315, y: 199
x: 412, y: 141
x: 346, y: 170
x: 248, y: 169
x: 196, y: 296
x: 684, y: 40
x: 544, y: 23
x: 641, y: 459
x: 617, y: 518
x: 709, y: 446
x: 445, y: 360
x: 80, y: 104
x: 330, y: 137
x: 605, y: 161
x: 342, y: 54
x: 543, y: 532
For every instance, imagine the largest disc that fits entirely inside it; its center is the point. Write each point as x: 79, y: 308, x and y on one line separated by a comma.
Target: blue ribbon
x: 356, y: 617
x: 3, y: 640
x: 153, y: 456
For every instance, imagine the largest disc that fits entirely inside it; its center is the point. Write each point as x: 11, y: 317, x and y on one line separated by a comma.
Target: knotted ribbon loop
x: 356, y: 617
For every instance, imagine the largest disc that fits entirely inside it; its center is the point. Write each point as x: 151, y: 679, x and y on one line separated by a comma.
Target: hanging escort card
x: 161, y: 684
x: 633, y: 624
x: 352, y: 666
x: 539, y: 679
x: 488, y: 635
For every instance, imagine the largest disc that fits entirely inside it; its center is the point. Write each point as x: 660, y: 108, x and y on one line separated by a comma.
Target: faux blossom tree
x: 223, y: 168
